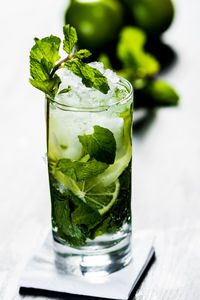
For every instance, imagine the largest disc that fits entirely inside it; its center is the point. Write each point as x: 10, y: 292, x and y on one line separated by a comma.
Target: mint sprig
x: 45, y: 61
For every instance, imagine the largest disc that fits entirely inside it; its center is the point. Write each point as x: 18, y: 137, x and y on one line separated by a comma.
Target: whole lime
x: 96, y: 21
x: 153, y: 16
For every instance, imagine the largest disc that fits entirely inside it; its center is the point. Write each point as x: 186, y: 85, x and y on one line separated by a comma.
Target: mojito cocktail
x: 89, y: 147
x: 89, y: 155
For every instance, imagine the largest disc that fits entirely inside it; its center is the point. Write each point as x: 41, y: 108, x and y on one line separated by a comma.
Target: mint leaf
x: 74, y: 234
x: 70, y: 38
x: 91, y: 77
x: 49, y: 87
x: 46, y: 48
x: 157, y: 93
x: 85, y: 215
x: 65, y: 90
x: 81, y: 170
x: 43, y: 57
x: 83, y: 53
x: 131, y: 52
x: 100, y: 229
x: 101, y: 145
x: 161, y: 93
x: 61, y: 218
x: 40, y: 70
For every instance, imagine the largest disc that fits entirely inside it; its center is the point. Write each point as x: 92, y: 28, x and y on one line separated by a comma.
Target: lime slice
x: 102, y: 198
x: 97, y: 196
x: 114, y: 171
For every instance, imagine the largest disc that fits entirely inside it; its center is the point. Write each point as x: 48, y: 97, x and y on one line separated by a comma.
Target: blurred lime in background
x: 97, y: 21
x: 153, y: 16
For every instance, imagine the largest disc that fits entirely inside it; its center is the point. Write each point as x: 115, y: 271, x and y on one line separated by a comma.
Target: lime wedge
x: 113, y: 172
x: 102, y: 198
x: 99, y: 197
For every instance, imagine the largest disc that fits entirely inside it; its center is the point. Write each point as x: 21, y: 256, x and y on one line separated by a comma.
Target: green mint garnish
x: 71, y: 38
x: 101, y: 145
x: 78, y: 170
x: 43, y: 57
x: 64, y: 91
x: 83, y: 53
x: 49, y: 87
x: 45, y: 61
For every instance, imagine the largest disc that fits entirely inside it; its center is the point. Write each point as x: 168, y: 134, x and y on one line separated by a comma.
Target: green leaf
x: 91, y: 77
x: 101, y: 145
x: 162, y: 93
x: 40, y: 70
x: 101, y: 228
x: 49, y: 87
x: 81, y: 170
x: 46, y: 48
x: 43, y: 57
x: 157, y: 93
x: 61, y: 217
x: 83, y: 53
x: 65, y: 90
x: 139, y: 36
x: 70, y: 38
x: 85, y: 215
x: 131, y: 53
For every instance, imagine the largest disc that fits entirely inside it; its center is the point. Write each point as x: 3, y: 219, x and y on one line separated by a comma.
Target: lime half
x: 99, y: 197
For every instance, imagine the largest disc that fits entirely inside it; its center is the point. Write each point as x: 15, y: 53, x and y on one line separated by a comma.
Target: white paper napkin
x: 41, y: 273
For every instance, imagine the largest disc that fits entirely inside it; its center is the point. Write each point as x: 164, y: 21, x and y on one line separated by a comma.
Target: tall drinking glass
x: 91, y: 200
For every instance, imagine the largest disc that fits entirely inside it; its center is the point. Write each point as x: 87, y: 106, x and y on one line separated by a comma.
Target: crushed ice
x: 81, y: 96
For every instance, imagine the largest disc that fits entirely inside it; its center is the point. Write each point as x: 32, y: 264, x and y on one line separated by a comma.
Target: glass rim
x: 124, y: 100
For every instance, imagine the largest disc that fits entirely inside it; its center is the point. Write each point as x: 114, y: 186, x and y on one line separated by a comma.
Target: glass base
x: 93, y: 260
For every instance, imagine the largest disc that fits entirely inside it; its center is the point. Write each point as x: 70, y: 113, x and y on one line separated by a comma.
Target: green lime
x: 97, y: 196
x: 102, y: 198
x: 96, y: 21
x: 153, y: 16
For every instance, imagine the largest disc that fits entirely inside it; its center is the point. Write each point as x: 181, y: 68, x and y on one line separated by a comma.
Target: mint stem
x: 59, y: 64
